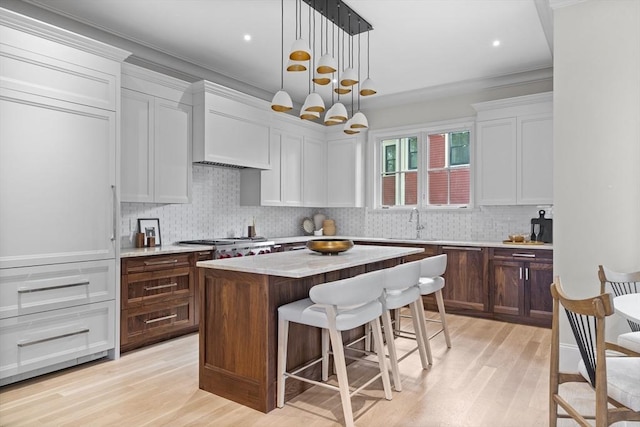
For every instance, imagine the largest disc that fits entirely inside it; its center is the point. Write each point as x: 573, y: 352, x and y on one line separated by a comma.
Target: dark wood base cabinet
x: 520, y: 281
x: 159, y: 298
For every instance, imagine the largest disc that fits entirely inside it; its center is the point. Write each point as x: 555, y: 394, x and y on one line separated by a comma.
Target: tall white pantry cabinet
x: 59, y: 134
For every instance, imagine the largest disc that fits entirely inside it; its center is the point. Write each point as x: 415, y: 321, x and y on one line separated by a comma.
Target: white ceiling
x: 417, y: 46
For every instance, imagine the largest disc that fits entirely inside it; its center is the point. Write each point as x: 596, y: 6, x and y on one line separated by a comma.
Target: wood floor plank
x: 496, y: 374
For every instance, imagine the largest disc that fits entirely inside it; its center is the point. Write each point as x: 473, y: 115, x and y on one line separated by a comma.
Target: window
x: 400, y: 171
x: 429, y: 168
x: 448, y: 168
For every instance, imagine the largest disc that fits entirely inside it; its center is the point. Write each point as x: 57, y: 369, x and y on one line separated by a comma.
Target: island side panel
x: 233, y: 336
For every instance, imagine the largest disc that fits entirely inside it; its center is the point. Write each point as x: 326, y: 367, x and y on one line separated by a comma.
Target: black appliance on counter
x: 231, y: 247
x: 541, y: 228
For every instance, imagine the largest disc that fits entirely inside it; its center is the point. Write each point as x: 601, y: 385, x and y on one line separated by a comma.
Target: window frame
x: 421, y: 132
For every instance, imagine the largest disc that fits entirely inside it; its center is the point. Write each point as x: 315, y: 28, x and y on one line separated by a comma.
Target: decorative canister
x: 329, y: 227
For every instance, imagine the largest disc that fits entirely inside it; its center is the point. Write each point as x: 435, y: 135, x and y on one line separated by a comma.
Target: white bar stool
x: 431, y: 282
x: 401, y: 289
x: 335, y: 307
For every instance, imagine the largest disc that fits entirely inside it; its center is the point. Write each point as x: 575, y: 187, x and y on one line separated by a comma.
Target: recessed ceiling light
x: 247, y: 37
x: 496, y: 43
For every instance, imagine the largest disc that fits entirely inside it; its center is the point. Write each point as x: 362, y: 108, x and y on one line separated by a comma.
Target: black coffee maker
x: 541, y: 228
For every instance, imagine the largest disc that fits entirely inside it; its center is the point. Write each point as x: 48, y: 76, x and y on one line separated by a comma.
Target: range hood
x: 230, y: 128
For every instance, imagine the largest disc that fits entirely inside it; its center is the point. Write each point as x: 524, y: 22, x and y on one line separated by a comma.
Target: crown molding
x: 557, y: 4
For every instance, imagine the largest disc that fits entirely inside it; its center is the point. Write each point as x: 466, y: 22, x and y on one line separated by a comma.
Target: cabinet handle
x: 462, y: 248
x: 204, y: 253
x: 152, y: 288
x: 520, y: 273
x: 526, y: 273
x: 158, y: 319
x: 168, y: 261
x: 41, y: 340
x: 69, y: 285
x: 524, y: 255
x: 115, y: 219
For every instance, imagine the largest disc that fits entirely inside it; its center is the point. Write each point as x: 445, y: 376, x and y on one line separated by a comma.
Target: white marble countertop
x: 490, y: 244
x: 160, y: 250
x: 305, y: 263
x: 169, y: 249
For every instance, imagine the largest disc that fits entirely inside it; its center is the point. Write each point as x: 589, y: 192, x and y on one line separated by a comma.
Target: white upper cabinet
x: 230, y: 128
x: 156, y: 138
x: 345, y: 174
x: 314, y: 172
x: 514, y: 151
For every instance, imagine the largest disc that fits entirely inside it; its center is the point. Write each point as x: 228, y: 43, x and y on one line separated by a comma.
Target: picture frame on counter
x: 150, y: 227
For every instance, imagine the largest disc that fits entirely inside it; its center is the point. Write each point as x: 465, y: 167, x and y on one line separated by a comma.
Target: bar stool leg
x: 443, y: 319
x: 341, y: 372
x: 417, y: 315
x: 384, y: 371
x: 283, y: 336
x: 393, y: 356
x: 325, y: 354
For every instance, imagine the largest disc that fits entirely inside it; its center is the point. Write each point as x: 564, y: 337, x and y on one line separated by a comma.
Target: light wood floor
x: 496, y: 374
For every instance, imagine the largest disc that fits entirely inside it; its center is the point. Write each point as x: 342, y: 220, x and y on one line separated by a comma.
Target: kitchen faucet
x: 418, y: 226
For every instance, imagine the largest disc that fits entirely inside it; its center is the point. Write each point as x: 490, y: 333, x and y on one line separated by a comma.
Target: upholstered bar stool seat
x: 335, y: 307
x: 631, y: 341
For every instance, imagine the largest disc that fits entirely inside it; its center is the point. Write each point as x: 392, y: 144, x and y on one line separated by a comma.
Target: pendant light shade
x: 309, y: 115
x: 322, y: 79
x: 300, y: 51
x: 281, y: 102
x: 349, y: 77
x: 338, y: 112
x: 327, y: 64
x: 331, y: 122
x: 359, y: 121
x: 342, y: 90
x: 314, y: 103
x: 296, y: 66
x: 348, y: 129
x: 368, y: 88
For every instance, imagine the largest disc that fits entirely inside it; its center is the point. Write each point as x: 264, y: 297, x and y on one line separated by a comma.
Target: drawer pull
x: 461, y: 248
x: 524, y: 255
x: 168, y: 261
x: 159, y: 319
x: 48, y: 288
x: 41, y: 340
x: 152, y: 288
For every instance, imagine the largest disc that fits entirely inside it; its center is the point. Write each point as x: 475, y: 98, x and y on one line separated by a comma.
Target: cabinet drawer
x: 147, y: 288
x: 523, y: 254
x: 28, y: 290
x: 154, y: 263
x: 149, y: 322
x: 38, y: 340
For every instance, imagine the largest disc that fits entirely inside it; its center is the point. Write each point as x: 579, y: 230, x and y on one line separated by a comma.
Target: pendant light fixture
x: 327, y: 64
x: 314, y: 102
x: 349, y: 77
x: 300, y: 50
x: 368, y: 87
x: 323, y: 70
x: 340, y: 89
x: 281, y: 100
x: 359, y: 120
x: 348, y: 129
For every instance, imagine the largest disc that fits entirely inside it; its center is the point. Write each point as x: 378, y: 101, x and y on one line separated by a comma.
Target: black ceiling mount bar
x: 338, y: 12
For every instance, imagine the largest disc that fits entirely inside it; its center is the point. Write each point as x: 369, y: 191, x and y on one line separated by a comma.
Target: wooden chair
x: 335, y: 307
x: 621, y: 284
x: 615, y: 380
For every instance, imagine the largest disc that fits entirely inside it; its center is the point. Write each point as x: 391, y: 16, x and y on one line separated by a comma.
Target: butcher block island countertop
x: 239, y: 316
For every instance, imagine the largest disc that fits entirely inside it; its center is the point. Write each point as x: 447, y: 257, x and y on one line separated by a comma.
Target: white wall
x: 596, y: 144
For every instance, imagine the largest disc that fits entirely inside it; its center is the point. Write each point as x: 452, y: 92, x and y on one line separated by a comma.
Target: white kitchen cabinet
x: 314, y: 172
x: 59, y: 206
x: 514, y: 151
x: 230, y: 128
x: 345, y: 173
x: 297, y: 174
x: 156, y: 138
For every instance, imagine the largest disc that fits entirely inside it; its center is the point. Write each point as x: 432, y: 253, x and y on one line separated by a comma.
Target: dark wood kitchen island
x: 238, y: 316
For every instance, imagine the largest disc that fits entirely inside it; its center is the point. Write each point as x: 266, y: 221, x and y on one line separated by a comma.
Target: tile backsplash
x: 215, y: 211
